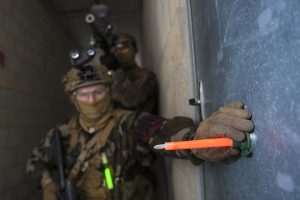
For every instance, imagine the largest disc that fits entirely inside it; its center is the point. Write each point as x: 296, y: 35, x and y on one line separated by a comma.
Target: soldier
x: 123, y: 140
x: 133, y: 87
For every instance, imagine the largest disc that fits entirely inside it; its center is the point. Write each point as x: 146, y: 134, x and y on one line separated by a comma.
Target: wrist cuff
x: 188, y: 153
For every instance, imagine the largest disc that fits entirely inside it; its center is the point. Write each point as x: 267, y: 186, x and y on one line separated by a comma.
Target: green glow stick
x: 108, y: 178
x: 107, y: 173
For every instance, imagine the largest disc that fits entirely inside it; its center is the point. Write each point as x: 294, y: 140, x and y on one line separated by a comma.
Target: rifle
x: 66, y: 187
x: 102, y: 33
x: 102, y: 30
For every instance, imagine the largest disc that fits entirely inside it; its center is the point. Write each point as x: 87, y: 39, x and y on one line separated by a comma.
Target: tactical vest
x: 85, y: 164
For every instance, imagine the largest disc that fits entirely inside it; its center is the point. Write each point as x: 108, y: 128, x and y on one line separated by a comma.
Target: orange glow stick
x: 196, y: 144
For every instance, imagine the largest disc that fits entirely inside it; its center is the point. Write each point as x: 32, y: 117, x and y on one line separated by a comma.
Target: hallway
x: 214, y: 51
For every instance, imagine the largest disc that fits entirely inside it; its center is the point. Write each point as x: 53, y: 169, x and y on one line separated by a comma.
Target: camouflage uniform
x: 136, y: 89
x: 134, y: 86
x: 127, y: 138
x: 129, y: 149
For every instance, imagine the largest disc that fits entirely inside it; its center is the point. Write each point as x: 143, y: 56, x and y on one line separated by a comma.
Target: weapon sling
x: 91, y: 147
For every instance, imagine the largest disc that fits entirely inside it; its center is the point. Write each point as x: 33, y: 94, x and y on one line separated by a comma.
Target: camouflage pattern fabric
x: 135, y: 87
x: 129, y: 150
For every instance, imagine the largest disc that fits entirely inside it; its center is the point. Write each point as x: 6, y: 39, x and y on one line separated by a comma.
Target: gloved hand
x: 229, y: 121
x: 49, y: 191
x: 110, y: 61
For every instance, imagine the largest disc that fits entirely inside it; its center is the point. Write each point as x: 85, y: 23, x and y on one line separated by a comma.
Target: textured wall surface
x: 166, y: 50
x: 31, y: 96
x: 249, y: 50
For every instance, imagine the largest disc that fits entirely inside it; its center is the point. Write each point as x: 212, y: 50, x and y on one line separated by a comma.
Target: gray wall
x: 31, y: 95
x: 249, y: 50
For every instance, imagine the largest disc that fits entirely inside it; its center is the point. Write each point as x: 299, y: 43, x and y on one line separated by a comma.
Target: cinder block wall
x: 166, y: 49
x: 31, y: 96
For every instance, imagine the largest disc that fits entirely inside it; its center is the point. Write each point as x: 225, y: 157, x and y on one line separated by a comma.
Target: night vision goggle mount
x: 78, y: 61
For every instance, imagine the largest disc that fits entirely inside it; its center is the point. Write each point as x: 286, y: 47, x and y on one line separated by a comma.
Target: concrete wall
x: 167, y: 50
x: 31, y: 96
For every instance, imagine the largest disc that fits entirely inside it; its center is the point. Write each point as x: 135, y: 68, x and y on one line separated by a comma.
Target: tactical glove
x: 230, y: 121
x: 110, y: 61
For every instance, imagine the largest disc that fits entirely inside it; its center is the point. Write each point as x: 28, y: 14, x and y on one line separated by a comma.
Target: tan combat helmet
x: 89, y: 74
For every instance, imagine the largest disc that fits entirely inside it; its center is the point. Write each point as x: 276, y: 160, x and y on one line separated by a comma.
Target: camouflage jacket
x: 135, y: 87
x: 129, y: 149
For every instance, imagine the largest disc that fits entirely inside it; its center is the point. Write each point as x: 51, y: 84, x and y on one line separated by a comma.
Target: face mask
x: 94, y: 111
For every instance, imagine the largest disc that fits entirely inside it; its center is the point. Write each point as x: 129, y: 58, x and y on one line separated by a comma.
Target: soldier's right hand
x: 231, y: 121
x: 110, y: 61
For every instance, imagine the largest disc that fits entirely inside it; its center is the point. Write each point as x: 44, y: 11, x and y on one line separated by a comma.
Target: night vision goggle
x: 79, y: 59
